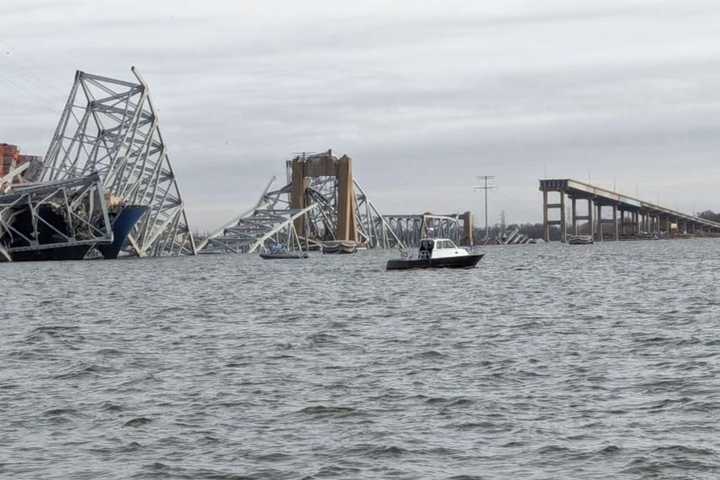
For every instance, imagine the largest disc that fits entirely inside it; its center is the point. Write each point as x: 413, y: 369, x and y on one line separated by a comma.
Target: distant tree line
x: 709, y: 215
x: 536, y: 230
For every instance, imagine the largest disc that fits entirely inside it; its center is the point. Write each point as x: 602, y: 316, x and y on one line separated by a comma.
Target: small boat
x: 281, y: 252
x: 340, y: 246
x: 580, y: 239
x: 437, y: 253
x: 282, y: 256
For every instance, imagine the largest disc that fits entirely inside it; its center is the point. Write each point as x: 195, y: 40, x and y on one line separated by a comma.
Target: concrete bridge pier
x: 615, y: 222
x: 547, y: 208
x: 577, y: 218
x: 628, y: 222
x: 644, y: 217
x: 601, y: 222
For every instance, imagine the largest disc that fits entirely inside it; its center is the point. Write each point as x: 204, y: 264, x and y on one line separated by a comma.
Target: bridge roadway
x: 630, y: 217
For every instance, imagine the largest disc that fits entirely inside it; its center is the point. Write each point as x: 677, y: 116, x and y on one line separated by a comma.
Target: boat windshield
x: 277, y: 248
x: 445, y: 244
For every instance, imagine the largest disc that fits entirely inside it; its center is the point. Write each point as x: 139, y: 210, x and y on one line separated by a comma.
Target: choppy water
x: 545, y: 362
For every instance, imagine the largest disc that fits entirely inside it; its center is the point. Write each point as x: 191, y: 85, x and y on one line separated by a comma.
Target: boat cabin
x: 439, y: 248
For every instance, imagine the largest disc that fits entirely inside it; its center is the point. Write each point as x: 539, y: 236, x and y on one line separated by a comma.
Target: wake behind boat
x: 437, y: 253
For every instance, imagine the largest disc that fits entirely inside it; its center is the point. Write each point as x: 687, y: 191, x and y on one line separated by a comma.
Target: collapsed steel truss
x: 372, y: 229
x: 412, y: 228
x: 58, y: 214
x: 512, y: 237
x: 110, y: 127
x: 271, y: 221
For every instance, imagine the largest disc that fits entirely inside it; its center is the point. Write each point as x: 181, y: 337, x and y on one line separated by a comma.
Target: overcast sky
x: 423, y: 95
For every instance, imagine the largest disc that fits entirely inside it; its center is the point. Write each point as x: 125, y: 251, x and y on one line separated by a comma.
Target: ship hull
x: 75, y: 252
x: 122, y: 225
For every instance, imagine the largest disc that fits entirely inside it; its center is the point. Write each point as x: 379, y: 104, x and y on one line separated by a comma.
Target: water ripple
x: 545, y: 362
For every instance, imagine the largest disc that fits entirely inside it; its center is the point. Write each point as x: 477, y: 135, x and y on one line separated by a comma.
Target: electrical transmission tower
x: 487, y: 184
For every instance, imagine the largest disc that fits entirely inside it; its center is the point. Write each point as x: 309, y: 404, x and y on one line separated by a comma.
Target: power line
x: 486, y: 185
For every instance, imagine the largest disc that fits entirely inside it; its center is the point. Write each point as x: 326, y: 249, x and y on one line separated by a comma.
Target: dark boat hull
x: 466, y: 261
x: 282, y: 256
x: 339, y: 248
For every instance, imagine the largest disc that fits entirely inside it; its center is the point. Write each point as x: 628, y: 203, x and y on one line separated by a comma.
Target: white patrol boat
x: 437, y: 253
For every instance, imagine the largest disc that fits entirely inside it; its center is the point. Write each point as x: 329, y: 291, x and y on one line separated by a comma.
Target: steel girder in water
x: 372, y: 229
x: 372, y: 224
x: 319, y: 225
x: 54, y: 215
x: 412, y: 228
x: 269, y: 222
x: 109, y: 126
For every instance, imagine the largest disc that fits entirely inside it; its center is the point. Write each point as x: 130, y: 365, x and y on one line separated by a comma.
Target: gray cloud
x: 424, y: 96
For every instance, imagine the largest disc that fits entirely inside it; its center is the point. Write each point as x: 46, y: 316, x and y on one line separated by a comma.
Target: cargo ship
x: 71, y: 219
x: 51, y: 246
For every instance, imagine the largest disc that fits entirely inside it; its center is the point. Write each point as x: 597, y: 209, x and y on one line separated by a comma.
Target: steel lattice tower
x: 109, y: 126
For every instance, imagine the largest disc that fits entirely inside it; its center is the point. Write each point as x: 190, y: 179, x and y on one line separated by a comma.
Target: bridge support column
x: 636, y: 223
x: 578, y: 218
x: 574, y: 215
x: 546, y: 225
x: 615, y: 222
x: 600, y: 223
x: 547, y: 206
x: 563, y: 222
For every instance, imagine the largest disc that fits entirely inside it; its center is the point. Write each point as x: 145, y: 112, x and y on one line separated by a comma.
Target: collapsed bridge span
x: 322, y: 202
